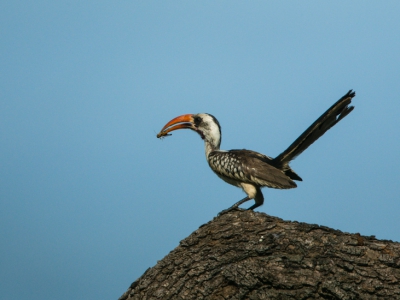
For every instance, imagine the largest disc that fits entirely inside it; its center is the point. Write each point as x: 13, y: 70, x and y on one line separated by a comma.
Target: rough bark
x: 250, y: 255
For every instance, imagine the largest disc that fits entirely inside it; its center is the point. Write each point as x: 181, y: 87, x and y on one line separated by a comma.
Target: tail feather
x: 332, y: 116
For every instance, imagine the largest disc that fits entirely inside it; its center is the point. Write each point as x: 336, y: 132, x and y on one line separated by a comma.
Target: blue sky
x: 89, y: 198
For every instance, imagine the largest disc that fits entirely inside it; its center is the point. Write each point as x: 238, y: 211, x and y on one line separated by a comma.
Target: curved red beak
x: 181, y: 122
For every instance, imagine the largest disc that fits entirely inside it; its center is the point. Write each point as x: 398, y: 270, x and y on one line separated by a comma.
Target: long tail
x: 332, y: 116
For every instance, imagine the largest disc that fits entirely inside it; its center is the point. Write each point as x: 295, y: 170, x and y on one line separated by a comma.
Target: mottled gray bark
x: 250, y: 255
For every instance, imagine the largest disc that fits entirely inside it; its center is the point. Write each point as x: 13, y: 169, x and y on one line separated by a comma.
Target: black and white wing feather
x: 247, y: 166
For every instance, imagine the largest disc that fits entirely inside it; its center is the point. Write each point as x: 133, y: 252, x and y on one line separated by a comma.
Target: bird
x: 251, y: 170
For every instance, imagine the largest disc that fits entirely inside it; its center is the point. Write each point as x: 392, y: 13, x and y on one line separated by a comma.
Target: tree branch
x: 250, y: 255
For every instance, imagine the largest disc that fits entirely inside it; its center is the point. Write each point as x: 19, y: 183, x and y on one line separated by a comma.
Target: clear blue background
x: 89, y: 198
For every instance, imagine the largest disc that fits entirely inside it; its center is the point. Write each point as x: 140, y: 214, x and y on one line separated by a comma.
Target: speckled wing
x: 236, y: 166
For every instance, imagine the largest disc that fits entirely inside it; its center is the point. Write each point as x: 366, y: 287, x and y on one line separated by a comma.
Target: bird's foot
x: 232, y: 208
x: 235, y: 206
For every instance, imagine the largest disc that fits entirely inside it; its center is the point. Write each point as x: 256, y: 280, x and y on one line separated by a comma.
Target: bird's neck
x: 211, y: 145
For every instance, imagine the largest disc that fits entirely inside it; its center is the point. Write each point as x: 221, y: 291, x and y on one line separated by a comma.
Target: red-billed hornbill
x: 251, y: 170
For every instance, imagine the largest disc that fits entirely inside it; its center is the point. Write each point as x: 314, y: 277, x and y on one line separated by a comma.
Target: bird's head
x: 206, y: 125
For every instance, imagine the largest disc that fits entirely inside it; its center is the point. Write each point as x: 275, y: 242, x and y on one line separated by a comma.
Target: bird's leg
x: 259, y: 199
x: 255, y: 205
x: 234, y: 206
x: 240, y: 202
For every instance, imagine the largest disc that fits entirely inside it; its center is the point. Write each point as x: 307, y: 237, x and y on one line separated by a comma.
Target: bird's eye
x: 197, y: 121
